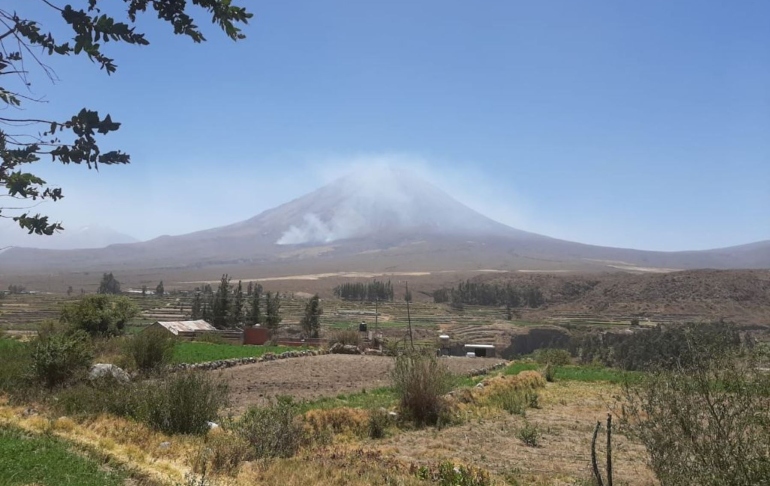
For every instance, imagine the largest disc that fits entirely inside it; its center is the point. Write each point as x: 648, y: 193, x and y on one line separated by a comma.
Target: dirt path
x: 319, y: 376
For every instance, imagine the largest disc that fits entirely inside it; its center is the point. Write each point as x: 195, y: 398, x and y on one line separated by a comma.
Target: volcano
x: 382, y: 220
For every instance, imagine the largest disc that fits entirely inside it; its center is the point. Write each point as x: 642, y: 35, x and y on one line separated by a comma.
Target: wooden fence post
x: 609, y: 449
x: 597, y: 474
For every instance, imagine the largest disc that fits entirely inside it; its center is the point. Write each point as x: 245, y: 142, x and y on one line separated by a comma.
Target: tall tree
x: 159, y: 290
x: 255, y: 312
x: 108, y: 285
x: 236, y: 314
x: 273, y: 310
x: 220, y: 307
x: 72, y: 140
x: 311, y: 321
x: 196, y: 309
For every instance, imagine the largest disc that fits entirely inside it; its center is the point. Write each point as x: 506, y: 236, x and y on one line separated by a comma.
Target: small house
x: 184, y: 329
x: 480, y: 350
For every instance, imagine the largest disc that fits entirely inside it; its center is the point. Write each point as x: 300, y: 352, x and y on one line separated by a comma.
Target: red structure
x: 255, y: 335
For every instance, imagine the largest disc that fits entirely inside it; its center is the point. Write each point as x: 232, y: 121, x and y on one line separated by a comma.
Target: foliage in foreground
x: 151, y: 349
x: 99, y: 315
x: 180, y: 403
x: 271, y: 431
x: 60, y: 358
x: 44, y: 460
x: 420, y: 383
x: 706, y: 424
x: 447, y: 474
x: 83, y: 29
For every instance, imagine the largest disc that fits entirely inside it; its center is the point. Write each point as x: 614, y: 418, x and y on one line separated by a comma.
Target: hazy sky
x: 622, y: 123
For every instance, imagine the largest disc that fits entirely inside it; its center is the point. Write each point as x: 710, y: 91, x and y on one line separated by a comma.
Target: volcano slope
x: 387, y: 221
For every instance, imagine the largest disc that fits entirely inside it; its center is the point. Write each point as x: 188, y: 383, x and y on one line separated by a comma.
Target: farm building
x: 480, y: 350
x: 182, y: 328
x: 192, y: 330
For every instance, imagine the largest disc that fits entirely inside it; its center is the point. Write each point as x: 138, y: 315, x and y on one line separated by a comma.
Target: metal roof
x: 185, y: 326
x: 479, y: 346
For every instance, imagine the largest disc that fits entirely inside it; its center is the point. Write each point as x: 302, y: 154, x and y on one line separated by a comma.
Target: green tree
x: 273, y: 318
x: 311, y: 321
x: 144, y: 291
x: 99, y: 315
x: 73, y: 140
x: 255, y: 313
x: 109, y: 285
x: 220, y: 307
x: 159, y: 290
x: 236, y: 315
x: 196, y: 310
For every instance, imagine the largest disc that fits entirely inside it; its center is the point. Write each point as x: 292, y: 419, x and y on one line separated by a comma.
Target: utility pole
x: 376, y: 314
x: 409, y: 316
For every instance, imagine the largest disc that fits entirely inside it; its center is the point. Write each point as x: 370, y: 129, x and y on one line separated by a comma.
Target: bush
x: 447, y: 474
x: 151, y: 349
x: 420, y: 383
x: 378, y: 423
x: 61, y: 358
x: 555, y: 357
x: 99, y: 315
x: 222, y: 453
x: 346, y: 337
x: 706, y: 424
x: 15, y: 365
x: 549, y: 372
x: 529, y: 434
x: 271, y: 431
x: 182, y: 403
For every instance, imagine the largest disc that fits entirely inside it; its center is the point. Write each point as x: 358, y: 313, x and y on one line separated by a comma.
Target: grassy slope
x: 198, y: 352
x: 41, y: 460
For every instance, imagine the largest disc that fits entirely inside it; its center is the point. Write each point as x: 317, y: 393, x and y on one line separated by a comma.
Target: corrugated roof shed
x: 176, y: 327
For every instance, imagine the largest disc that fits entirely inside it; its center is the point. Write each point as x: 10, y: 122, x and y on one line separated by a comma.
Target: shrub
x: 60, y: 358
x: 221, y: 453
x: 447, y: 474
x: 151, y: 349
x: 549, y: 372
x: 15, y: 365
x: 420, y: 383
x: 529, y: 434
x: 704, y: 424
x: 341, y: 420
x: 346, y: 337
x: 182, y: 403
x: 99, y: 315
x: 555, y: 357
x: 271, y: 431
x: 378, y: 423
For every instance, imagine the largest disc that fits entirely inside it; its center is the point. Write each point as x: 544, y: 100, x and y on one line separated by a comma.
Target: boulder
x: 373, y: 352
x: 104, y: 370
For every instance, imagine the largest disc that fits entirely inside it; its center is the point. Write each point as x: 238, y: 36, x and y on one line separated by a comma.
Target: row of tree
x: 230, y: 307
x: 479, y: 293
x: 368, y: 292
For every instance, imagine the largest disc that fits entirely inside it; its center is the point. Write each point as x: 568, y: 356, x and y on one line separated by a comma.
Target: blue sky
x: 621, y: 123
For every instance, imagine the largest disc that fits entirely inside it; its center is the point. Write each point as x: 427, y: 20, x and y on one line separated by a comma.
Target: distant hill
x: 384, y: 220
x: 92, y: 236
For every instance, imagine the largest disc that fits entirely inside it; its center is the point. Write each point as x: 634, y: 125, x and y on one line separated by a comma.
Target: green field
x: 198, y: 352
x: 579, y: 373
x: 367, y: 399
x: 42, y: 460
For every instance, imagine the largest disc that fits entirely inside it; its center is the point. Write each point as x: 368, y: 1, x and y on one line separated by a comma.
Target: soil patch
x: 319, y: 376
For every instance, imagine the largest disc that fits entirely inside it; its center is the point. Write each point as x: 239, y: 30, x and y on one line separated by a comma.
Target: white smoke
x: 373, y: 192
